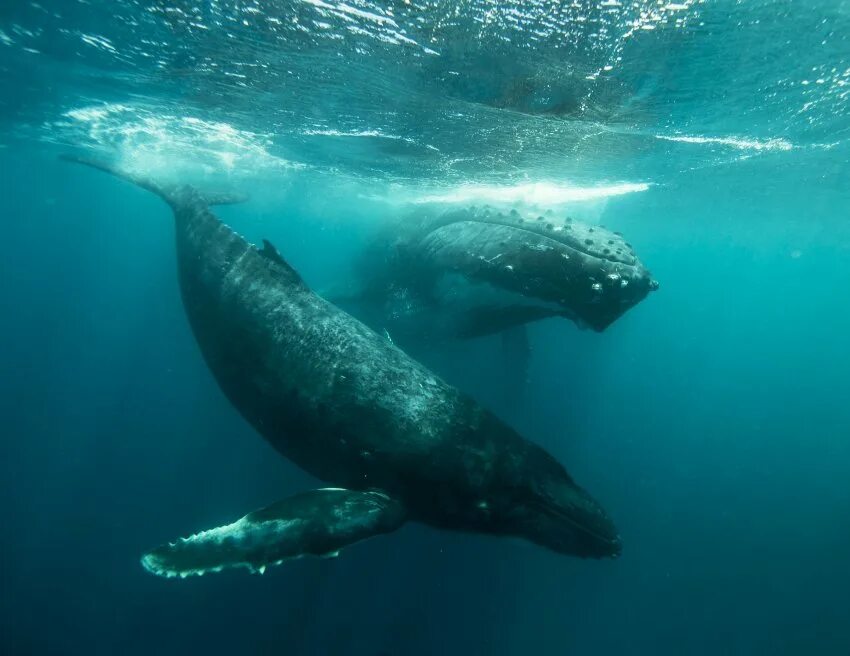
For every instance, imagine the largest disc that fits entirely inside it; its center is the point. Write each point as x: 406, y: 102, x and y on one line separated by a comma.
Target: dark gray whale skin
x: 352, y: 409
x: 476, y: 271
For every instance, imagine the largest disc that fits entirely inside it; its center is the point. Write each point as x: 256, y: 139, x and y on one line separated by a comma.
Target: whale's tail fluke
x: 174, y: 195
x: 317, y: 523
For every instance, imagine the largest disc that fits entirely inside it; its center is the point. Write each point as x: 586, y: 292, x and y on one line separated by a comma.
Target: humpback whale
x: 476, y: 271
x: 345, y: 404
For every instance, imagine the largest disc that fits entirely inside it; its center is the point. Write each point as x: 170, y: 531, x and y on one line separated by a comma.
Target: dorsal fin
x: 269, y: 252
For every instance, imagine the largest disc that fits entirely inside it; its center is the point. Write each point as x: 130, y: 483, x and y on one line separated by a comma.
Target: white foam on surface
x: 533, y: 193
x: 740, y: 143
x: 340, y: 133
x: 148, y: 141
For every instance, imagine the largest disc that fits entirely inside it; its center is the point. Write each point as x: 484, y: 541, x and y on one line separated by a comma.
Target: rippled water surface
x: 437, y: 92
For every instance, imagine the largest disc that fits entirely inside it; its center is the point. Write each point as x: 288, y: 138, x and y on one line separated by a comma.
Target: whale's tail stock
x: 174, y: 195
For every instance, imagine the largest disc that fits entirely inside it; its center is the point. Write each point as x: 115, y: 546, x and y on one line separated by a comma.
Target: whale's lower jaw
x: 317, y: 523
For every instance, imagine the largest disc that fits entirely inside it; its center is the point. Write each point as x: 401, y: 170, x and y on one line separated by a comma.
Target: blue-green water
x: 712, y: 421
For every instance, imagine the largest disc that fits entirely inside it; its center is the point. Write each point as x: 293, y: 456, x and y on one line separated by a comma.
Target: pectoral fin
x: 316, y: 523
x: 483, y: 321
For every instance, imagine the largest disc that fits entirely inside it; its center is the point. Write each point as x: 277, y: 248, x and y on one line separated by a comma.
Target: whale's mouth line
x: 582, y: 528
x: 538, y: 233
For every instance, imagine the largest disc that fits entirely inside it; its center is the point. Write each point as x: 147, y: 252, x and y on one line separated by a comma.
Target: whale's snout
x: 576, y: 524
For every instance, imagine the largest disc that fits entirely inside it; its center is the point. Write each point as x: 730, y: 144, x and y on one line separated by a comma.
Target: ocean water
x: 712, y: 421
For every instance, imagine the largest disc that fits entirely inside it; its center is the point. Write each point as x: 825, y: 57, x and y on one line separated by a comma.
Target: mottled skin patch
x: 352, y: 409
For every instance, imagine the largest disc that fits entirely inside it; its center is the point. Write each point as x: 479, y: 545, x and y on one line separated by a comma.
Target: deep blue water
x: 712, y: 420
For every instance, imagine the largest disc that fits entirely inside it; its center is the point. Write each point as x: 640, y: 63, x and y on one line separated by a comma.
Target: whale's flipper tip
x: 317, y: 523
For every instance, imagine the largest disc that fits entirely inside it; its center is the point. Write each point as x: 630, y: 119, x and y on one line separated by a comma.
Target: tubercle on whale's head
x: 612, y: 297
x: 549, y: 509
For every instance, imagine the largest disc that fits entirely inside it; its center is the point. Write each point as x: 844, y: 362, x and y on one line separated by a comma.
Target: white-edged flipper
x: 316, y: 523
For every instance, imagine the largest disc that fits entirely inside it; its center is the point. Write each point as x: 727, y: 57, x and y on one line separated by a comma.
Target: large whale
x: 477, y: 271
x: 353, y: 410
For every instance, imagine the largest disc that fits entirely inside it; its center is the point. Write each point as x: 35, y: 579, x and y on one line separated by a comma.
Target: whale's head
x: 542, y: 266
x: 545, y: 506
